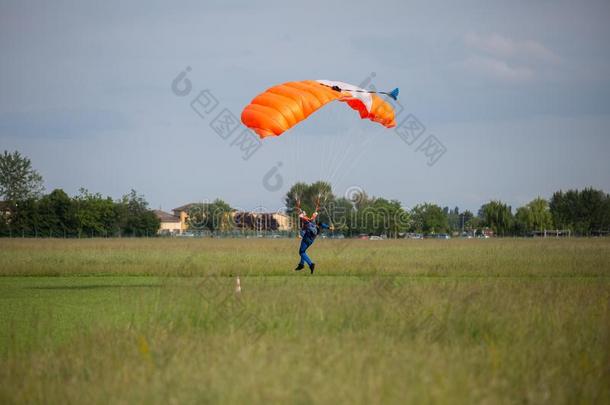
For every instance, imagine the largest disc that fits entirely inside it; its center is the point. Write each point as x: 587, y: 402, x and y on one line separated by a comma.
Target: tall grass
x: 192, y: 257
x: 494, y: 321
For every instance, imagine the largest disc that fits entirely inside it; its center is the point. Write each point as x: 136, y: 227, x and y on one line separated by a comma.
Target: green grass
x: 157, y: 321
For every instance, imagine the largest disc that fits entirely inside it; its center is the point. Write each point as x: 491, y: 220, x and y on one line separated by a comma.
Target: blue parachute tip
x: 394, y: 93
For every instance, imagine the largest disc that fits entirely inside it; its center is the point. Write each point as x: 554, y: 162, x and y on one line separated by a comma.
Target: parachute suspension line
x: 346, y: 151
x: 297, y: 212
x: 329, y: 160
x: 297, y: 167
x: 325, y: 210
x: 330, y: 153
x: 361, y: 146
x: 296, y: 160
x: 342, y: 153
x: 336, y: 159
x: 325, y: 159
x: 349, y: 156
x: 337, y: 152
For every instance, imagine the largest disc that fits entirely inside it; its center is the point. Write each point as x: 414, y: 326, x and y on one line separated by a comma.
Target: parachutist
x: 309, y: 231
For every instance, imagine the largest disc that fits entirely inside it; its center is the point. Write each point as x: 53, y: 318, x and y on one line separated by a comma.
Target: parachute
x: 283, y: 106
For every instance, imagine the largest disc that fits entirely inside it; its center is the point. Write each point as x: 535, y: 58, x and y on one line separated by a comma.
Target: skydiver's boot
x: 312, y: 267
x: 299, y: 267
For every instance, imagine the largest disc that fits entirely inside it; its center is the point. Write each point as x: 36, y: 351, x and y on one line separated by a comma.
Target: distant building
x: 242, y: 220
x: 5, y: 211
x: 182, y: 213
x: 5, y: 208
x: 170, y: 224
x: 262, y: 221
x: 284, y: 221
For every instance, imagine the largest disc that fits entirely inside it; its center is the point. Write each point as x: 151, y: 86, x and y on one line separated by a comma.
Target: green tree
x: 220, y: 212
x: 212, y: 216
x: 453, y: 218
x: 96, y: 215
x: 428, y: 218
x: 366, y: 215
x: 497, y: 215
x: 534, y: 216
x: 342, y: 216
x: 24, y: 220
x: 56, y: 213
x: 134, y: 216
x: 523, y: 221
x: 466, y: 221
x: 391, y: 218
x: 18, y: 180
x: 473, y: 224
x: 584, y: 212
x: 308, y: 195
x: 361, y: 200
x: 5, y: 229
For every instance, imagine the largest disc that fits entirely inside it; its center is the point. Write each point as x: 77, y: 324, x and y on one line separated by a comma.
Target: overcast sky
x: 517, y: 93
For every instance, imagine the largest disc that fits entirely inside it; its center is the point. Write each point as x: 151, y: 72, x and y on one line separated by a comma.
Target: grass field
x: 158, y: 321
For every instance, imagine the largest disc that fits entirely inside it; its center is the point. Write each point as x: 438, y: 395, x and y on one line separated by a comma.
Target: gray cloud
x: 517, y: 91
x: 508, y: 48
x: 497, y: 69
x: 506, y: 59
x: 61, y: 123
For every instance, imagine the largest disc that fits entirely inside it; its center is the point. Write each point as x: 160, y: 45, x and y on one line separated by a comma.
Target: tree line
x: 26, y: 211
x: 585, y: 213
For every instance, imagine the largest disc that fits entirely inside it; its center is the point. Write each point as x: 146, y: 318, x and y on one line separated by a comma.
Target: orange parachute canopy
x: 283, y: 106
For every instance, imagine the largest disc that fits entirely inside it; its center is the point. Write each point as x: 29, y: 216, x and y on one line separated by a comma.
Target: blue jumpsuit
x: 306, y: 242
x: 308, y: 232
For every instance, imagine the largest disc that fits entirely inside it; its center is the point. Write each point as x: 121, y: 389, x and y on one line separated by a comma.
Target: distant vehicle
x: 363, y: 236
x: 186, y: 235
x: 415, y: 236
x: 375, y: 237
x: 443, y: 236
